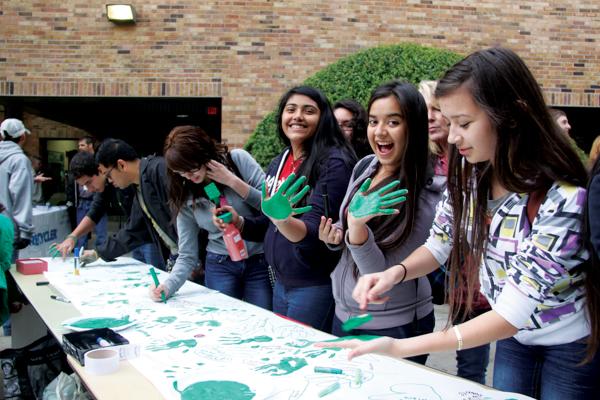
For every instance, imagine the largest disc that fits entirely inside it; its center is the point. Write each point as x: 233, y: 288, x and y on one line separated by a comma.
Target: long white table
x: 203, y: 344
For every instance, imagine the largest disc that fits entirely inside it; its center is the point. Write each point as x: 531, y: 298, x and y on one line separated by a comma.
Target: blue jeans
x: 415, y: 328
x: 149, y: 254
x: 472, y: 363
x: 546, y: 372
x: 310, y: 305
x: 247, y: 280
x: 82, y: 209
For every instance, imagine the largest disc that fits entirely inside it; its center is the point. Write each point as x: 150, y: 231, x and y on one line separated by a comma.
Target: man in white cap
x: 16, y: 180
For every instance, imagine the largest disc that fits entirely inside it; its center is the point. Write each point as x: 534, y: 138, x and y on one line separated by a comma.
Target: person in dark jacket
x: 302, y: 263
x: 151, y: 219
x: 83, y: 170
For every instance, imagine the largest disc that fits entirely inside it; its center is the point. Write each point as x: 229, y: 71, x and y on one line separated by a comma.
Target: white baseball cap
x: 13, y: 127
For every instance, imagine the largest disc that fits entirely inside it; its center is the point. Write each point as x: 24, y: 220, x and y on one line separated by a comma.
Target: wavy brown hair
x: 502, y: 85
x: 187, y: 148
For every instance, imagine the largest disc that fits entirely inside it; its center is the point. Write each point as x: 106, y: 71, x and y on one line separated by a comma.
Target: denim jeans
x: 247, y: 280
x: 415, y: 328
x: 472, y: 363
x: 546, y: 372
x: 310, y: 305
x: 148, y: 254
x: 82, y: 209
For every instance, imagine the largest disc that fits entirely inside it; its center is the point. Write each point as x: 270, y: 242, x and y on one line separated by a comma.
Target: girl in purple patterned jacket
x: 507, y: 159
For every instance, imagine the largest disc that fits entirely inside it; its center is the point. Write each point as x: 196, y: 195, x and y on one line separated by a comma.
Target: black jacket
x: 308, y: 262
x: 139, y: 230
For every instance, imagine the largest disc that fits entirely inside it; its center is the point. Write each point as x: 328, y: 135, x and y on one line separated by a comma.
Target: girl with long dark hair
x: 194, y: 160
x: 397, y: 134
x: 316, y: 150
x: 512, y: 219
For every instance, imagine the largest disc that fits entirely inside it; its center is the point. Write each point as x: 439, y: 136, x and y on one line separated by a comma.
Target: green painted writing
x: 189, y: 343
x: 166, y: 320
x: 238, y: 340
x: 216, y: 390
x: 118, y: 301
x: 208, y: 322
x: 285, y: 367
x: 208, y: 309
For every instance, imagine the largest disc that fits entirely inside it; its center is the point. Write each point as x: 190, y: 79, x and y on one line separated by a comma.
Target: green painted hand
x: 376, y: 203
x: 280, y: 205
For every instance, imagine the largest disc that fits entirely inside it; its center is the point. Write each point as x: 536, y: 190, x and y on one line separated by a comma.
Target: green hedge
x: 355, y: 77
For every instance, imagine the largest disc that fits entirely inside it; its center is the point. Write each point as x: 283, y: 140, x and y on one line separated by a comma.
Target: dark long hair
x: 358, y: 140
x: 187, y: 148
x: 391, y: 231
x: 531, y: 154
x: 327, y: 135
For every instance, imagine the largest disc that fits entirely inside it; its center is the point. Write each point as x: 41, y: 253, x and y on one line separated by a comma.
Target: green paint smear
x: 173, y: 345
x: 256, y: 339
x: 208, y: 309
x: 364, y: 338
x: 209, y: 322
x: 300, y: 343
x: 216, y: 390
x: 118, y: 301
x: 166, y: 320
x: 285, y: 367
x: 93, y: 323
x: 135, y: 285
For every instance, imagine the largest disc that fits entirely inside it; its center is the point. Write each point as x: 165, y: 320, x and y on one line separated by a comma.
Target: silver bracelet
x: 458, y: 338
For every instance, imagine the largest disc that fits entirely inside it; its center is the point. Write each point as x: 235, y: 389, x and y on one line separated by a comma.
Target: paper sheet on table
x: 202, y: 342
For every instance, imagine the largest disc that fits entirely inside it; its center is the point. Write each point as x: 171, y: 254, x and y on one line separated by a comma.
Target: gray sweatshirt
x: 16, y: 186
x: 406, y: 299
x: 194, y: 217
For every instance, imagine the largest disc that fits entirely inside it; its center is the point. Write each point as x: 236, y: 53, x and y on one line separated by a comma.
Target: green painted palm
x: 377, y: 202
x: 281, y: 204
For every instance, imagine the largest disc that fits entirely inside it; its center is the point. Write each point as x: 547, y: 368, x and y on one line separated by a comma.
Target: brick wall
x: 249, y: 52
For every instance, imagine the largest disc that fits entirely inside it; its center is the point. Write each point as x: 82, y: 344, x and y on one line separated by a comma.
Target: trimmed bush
x: 355, y: 77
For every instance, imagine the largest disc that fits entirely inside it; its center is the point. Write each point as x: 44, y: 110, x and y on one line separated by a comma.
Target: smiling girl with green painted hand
x: 381, y: 223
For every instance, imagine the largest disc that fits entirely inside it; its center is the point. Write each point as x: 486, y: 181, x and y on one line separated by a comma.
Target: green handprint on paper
x: 280, y: 205
x: 286, y: 366
x: 363, y: 205
x: 238, y: 340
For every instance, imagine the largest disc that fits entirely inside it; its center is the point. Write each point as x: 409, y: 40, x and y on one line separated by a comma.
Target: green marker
x: 327, y: 370
x: 329, y: 389
x: 355, y: 322
x: 156, y: 282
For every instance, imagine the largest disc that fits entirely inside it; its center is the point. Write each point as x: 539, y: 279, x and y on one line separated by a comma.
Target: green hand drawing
x: 363, y: 205
x: 280, y: 205
x: 285, y: 367
x: 238, y: 340
x: 173, y: 345
x: 300, y: 343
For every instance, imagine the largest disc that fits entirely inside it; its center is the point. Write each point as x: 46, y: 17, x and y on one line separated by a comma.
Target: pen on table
x: 327, y: 370
x: 102, y: 342
x: 156, y: 282
x: 76, y: 252
x: 42, y: 283
x: 59, y: 298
